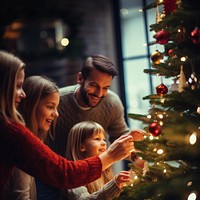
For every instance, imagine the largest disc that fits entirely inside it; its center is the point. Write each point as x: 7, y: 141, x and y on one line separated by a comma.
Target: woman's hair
x: 100, y: 63
x: 36, y: 88
x: 77, y: 135
x: 10, y: 66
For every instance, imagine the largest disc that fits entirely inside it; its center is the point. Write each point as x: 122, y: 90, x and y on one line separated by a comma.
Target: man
x: 90, y: 99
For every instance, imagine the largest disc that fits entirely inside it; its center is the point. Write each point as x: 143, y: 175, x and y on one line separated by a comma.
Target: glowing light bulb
x: 151, y: 137
x: 160, y: 116
x: 183, y: 59
x: 149, y: 116
x: 64, y: 42
x: 162, y: 100
x: 189, y: 183
x: 155, y: 149
x: 192, y: 196
x: 193, y: 138
x: 160, y: 151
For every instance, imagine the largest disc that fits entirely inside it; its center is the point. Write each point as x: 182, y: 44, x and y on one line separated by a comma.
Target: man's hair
x: 98, y: 62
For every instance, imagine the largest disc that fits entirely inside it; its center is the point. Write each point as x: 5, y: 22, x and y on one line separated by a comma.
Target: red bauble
x: 162, y: 37
x: 195, y: 36
x: 171, y: 52
x: 155, y: 129
x: 161, y: 89
x: 169, y: 6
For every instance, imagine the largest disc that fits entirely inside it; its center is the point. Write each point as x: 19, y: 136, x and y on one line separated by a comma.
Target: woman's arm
x: 25, y: 151
x: 35, y: 158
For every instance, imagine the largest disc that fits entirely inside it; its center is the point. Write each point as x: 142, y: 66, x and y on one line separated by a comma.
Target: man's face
x: 95, y: 88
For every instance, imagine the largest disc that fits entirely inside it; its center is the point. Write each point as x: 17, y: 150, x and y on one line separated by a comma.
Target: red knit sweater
x: 20, y: 148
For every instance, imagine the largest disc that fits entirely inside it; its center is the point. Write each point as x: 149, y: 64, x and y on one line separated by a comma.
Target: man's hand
x: 138, y: 135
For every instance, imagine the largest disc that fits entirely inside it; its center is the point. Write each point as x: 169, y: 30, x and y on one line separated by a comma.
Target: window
x: 135, y: 54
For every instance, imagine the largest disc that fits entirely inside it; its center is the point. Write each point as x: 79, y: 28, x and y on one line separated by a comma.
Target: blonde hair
x: 10, y: 66
x: 36, y: 88
x: 77, y: 135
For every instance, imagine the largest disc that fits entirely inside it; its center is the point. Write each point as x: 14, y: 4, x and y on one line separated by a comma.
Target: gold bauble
x: 156, y: 56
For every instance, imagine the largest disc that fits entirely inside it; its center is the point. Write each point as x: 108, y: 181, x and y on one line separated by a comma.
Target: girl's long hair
x: 10, y: 66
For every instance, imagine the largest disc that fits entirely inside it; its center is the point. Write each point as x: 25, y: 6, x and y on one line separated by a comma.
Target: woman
x: 22, y: 149
x: 87, y: 139
x: 39, y: 109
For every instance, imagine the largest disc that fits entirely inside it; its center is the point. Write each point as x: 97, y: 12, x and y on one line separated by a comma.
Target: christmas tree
x: 172, y: 144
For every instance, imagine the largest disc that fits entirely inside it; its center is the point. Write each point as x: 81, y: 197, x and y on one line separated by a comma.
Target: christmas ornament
x: 161, y: 89
x: 162, y: 37
x: 156, y: 56
x: 139, y: 162
x: 162, y: 16
x: 169, y: 6
x: 182, y: 80
x: 170, y: 52
x: 155, y: 129
x: 195, y: 36
x: 174, y: 86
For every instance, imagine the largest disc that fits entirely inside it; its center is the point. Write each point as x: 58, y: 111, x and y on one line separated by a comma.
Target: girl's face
x: 20, y: 94
x: 47, y: 111
x: 95, y: 145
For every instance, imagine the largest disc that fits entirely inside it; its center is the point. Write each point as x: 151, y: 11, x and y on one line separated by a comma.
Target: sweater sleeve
x: 117, y: 125
x: 109, y: 191
x: 25, y: 151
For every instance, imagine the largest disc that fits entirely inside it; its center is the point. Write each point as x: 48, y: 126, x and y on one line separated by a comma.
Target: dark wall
x: 88, y: 24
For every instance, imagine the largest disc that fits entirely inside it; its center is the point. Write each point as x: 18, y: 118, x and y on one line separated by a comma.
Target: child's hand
x: 122, y: 177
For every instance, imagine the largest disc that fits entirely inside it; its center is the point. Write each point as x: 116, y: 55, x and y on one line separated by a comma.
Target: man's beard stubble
x: 85, y: 98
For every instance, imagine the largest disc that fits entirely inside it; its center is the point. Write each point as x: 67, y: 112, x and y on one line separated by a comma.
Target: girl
x: 22, y: 149
x: 87, y: 139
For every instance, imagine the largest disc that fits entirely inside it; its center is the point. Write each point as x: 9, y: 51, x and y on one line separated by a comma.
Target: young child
x: 20, y: 148
x: 87, y: 139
